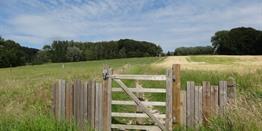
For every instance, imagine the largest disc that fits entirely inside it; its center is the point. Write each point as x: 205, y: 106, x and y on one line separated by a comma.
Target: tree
x: 238, y: 41
x: 73, y: 54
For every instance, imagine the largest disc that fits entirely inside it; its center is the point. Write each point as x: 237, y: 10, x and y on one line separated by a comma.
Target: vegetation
x: 213, y: 60
x: 12, y: 54
x: 238, y: 41
x: 25, y: 94
x: 198, y: 50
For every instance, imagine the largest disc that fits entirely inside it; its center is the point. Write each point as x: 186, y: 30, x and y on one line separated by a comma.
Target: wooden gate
x: 109, y: 77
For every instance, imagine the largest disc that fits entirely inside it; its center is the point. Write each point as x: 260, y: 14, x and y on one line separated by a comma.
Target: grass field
x: 25, y: 95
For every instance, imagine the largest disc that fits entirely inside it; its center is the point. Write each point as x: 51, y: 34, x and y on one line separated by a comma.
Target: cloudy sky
x: 170, y: 23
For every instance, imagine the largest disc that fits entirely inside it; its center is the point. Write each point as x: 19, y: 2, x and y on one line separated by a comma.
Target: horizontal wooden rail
x: 135, y: 127
x: 140, y: 77
x: 137, y: 115
x: 146, y: 103
x: 139, y: 90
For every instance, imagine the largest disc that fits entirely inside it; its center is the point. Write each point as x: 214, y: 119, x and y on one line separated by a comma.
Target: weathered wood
x: 140, y: 96
x: 176, y: 93
x: 136, y: 115
x: 125, y: 88
x: 135, y: 127
x: 54, y: 99
x: 183, y: 107
x: 69, y: 102
x: 146, y: 103
x: 101, y: 95
x: 231, y: 90
x: 58, y: 102
x: 107, y: 88
x: 89, y: 101
x: 215, y: 99
x: 196, y: 105
x: 85, y: 101
x: 206, y: 101
x: 200, y: 98
x: 97, y: 107
x: 139, y: 77
x: 169, y: 104
x: 93, y: 103
x: 190, y: 103
x: 146, y: 90
x: 222, y: 94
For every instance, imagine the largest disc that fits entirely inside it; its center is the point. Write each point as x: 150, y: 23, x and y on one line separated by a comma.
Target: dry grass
x: 239, y: 64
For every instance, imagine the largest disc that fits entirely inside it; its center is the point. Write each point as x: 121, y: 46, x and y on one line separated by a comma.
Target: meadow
x: 25, y: 92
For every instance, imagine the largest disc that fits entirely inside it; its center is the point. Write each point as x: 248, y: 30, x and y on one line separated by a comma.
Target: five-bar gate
x: 109, y: 77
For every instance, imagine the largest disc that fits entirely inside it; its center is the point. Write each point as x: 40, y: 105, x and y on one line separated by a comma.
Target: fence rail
x: 90, y: 101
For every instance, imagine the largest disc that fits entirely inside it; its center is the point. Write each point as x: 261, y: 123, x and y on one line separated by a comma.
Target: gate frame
x: 173, y: 104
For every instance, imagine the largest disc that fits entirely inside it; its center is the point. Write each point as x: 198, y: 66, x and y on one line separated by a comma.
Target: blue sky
x: 169, y: 23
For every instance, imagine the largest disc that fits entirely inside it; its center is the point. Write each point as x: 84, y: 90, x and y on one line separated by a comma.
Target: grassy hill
x: 25, y: 92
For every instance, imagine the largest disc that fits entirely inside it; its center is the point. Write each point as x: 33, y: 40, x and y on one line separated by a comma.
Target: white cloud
x: 179, y: 23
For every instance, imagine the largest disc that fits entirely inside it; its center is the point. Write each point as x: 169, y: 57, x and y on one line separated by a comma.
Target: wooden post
x: 176, y: 108
x: 107, y: 87
x: 206, y: 101
x: 169, y: 103
x: 231, y: 90
x: 69, y: 102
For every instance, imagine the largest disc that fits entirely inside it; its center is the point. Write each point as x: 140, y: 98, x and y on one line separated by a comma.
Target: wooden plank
x: 93, y: 103
x: 222, y: 94
x: 135, y: 127
x: 200, y: 98
x: 85, y: 101
x: 169, y: 104
x: 190, y: 103
x: 176, y: 93
x: 231, y: 90
x: 206, y: 101
x: 146, y: 103
x: 74, y: 99
x: 139, y: 77
x: 58, y: 102
x: 97, y: 107
x: 136, y: 115
x: 107, y: 88
x: 78, y: 101
x: 89, y: 103
x: 54, y: 90
x: 100, y: 109
x: 183, y: 107
x: 196, y: 105
x: 81, y: 105
x: 68, y: 104
x: 146, y: 90
x: 216, y: 99
x: 212, y: 100
x: 62, y: 85
x: 125, y: 88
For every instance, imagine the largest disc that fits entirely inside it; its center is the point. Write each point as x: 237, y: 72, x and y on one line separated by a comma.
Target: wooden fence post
x: 176, y: 108
x: 231, y: 90
x: 107, y: 83
x: 169, y: 103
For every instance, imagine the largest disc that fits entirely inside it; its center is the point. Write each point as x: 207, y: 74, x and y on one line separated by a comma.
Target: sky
x: 169, y: 23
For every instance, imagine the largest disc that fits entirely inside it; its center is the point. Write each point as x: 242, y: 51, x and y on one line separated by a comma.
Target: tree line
x: 237, y: 41
x: 12, y: 54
